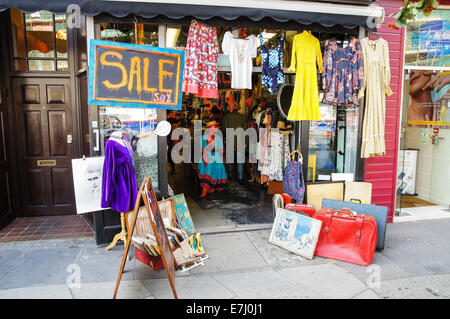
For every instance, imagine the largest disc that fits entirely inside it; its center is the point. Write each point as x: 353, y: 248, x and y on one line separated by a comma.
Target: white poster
x: 406, y: 172
x: 87, y: 180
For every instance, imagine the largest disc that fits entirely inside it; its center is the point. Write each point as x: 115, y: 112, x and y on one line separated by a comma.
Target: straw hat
x: 212, y: 123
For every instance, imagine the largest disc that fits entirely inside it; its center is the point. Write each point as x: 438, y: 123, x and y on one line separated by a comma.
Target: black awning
x: 178, y: 11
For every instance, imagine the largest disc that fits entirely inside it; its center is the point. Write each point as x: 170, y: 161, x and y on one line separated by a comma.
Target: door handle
x: 69, y: 139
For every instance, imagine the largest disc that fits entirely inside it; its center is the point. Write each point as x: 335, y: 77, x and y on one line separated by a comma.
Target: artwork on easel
x: 147, y: 194
x: 183, y: 216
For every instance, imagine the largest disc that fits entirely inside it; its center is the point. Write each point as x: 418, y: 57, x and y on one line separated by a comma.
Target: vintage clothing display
x: 272, y: 75
x: 211, y: 173
x: 343, y: 73
x: 202, y: 54
x: 377, y: 76
x: 241, y: 52
x: 306, y: 53
x: 119, y: 186
x: 293, y: 181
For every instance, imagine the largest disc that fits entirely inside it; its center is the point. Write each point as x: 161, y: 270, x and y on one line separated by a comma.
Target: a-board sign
x: 131, y: 75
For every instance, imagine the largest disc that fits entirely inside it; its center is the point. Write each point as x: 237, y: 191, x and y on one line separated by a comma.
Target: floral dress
x: 343, y: 73
x: 272, y: 66
x: 202, y: 54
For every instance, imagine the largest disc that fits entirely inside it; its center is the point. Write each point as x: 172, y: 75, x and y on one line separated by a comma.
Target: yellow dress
x: 305, y: 100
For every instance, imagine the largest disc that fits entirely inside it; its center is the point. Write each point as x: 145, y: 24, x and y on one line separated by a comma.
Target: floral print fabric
x: 272, y: 66
x: 202, y: 54
x: 343, y: 72
x: 293, y: 182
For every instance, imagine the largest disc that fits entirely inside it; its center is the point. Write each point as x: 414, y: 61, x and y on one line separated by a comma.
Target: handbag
x: 346, y: 236
x: 293, y: 181
x: 275, y: 187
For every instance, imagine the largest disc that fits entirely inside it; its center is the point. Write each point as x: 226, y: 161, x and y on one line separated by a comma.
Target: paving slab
x: 133, y: 289
x: 41, y: 292
x: 256, y: 284
x: 424, y: 287
x: 368, y: 294
x: 328, y: 280
x: 193, y: 287
x: 227, y: 252
x: 10, y: 259
x: 297, y: 292
x: 276, y: 256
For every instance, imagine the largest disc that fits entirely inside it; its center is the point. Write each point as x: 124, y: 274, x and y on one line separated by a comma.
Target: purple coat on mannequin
x: 119, y: 185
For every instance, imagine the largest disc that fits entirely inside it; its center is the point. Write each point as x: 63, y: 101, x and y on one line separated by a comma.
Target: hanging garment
x: 377, y: 76
x: 264, y: 151
x: 272, y: 65
x: 212, y: 174
x: 279, y: 152
x: 119, y: 186
x: 293, y: 181
x: 343, y: 74
x: 305, y: 100
x: 241, y: 52
x: 200, y: 68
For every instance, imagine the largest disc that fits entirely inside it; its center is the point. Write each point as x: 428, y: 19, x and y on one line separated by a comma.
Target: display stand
x: 120, y: 236
x: 147, y: 193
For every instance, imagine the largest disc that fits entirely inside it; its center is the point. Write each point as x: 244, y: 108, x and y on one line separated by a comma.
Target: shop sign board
x: 130, y: 75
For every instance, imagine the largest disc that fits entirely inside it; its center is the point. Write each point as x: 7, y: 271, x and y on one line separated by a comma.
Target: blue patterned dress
x: 272, y: 66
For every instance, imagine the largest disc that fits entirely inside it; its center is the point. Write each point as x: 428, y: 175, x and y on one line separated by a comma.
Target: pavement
x: 414, y: 264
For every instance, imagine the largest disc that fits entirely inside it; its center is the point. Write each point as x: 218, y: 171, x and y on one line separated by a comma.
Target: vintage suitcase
x: 304, y: 208
x: 379, y: 212
x: 346, y: 236
x: 287, y: 199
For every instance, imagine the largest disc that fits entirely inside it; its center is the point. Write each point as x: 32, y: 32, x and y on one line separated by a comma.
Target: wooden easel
x: 147, y: 193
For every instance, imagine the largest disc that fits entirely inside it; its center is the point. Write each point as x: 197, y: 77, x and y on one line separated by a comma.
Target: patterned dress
x: 202, y: 54
x: 343, y: 73
x: 212, y: 175
x: 272, y: 66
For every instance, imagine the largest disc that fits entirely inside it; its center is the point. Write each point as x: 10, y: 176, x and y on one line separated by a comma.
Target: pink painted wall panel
x: 381, y: 170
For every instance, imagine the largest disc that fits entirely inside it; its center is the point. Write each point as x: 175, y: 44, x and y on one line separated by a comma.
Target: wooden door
x: 6, y: 212
x: 45, y: 148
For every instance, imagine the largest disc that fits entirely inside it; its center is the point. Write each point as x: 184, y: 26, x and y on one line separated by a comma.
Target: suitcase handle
x: 345, y: 212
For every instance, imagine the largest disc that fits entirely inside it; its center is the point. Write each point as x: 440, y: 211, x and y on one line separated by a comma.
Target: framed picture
x: 295, y: 232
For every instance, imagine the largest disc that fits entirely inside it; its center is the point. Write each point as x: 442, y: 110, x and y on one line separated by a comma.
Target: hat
x: 212, y: 123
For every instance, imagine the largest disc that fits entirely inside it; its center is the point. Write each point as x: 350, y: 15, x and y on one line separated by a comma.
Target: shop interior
x: 330, y: 145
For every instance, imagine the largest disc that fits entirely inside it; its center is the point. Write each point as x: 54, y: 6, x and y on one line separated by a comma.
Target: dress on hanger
x: 241, y: 52
x: 377, y: 76
x: 305, y: 100
x: 119, y: 185
x: 272, y: 65
x: 343, y: 72
x: 202, y: 55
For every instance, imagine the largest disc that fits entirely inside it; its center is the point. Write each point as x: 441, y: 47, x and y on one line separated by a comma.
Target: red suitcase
x: 298, y: 207
x: 346, y: 236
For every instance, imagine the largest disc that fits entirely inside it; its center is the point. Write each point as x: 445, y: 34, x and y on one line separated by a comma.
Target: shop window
x: 39, y: 41
x: 428, y: 40
x: 137, y: 122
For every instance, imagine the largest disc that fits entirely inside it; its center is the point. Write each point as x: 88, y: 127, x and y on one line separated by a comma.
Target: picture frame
x: 295, y: 232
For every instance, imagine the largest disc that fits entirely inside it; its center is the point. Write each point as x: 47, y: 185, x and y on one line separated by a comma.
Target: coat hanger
x: 373, y: 35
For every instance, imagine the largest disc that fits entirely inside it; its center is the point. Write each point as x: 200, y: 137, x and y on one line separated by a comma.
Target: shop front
x: 330, y: 143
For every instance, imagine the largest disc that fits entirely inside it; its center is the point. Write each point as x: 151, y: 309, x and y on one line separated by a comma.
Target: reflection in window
x: 39, y: 41
x: 428, y: 40
x: 130, y: 33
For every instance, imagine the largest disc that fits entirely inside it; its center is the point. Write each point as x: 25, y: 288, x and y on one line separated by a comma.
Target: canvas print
x: 295, y: 232
x: 87, y: 180
x: 183, y: 216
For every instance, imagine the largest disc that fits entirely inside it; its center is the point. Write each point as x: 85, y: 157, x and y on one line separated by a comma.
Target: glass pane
x: 63, y: 65
x: 427, y: 40
x: 126, y: 32
x: 20, y: 65
x: 40, y: 38
x: 61, y: 35
x: 135, y: 122
x: 322, y: 158
x: 17, y: 32
x: 41, y: 65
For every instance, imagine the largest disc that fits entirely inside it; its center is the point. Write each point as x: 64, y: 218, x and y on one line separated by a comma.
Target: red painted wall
x: 381, y: 170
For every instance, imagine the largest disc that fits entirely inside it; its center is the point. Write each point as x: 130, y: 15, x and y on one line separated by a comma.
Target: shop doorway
x: 423, y: 173
x: 45, y: 145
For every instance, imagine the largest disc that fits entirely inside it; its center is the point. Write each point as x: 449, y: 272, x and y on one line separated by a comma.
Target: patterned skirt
x: 201, y: 57
x: 212, y: 176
